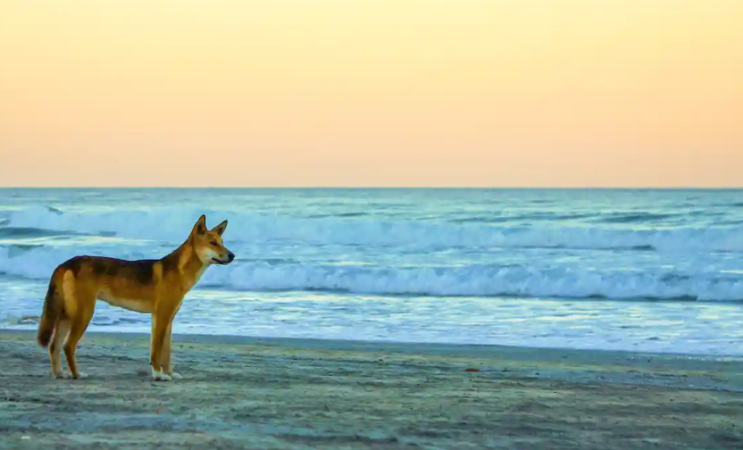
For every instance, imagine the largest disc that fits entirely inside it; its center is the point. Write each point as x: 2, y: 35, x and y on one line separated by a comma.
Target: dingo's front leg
x: 159, y: 329
x: 167, y: 365
x: 162, y: 319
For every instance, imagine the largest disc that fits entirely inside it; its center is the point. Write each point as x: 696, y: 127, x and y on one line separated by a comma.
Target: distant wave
x: 633, y: 217
x: 481, y: 219
x: 26, y: 232
x: 173, y: 224
x: 495, y: 218
x: 346, y: 214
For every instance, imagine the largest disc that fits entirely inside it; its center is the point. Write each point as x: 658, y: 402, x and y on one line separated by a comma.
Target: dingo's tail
x: 53, y: 311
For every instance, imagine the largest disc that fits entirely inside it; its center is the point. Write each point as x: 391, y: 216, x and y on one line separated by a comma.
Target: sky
x: 470, y: 93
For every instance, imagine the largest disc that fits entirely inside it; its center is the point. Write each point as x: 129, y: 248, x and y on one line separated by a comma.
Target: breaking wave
x: 480, y: 280
x: 34, y: 240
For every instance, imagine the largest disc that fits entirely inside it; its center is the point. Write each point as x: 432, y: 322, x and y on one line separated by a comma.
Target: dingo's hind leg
x: 78, y: 325
x: 55, y: 348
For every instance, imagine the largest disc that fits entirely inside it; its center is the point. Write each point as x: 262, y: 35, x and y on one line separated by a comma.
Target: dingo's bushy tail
x: 53, y: 311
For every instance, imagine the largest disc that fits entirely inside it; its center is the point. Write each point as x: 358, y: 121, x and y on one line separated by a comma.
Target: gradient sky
x: 556, y: 93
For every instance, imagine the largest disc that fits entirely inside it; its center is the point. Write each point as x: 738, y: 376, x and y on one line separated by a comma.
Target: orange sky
x: 371, y: 93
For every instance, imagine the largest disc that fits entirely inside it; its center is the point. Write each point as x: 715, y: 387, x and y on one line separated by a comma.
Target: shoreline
x: 287, y: 393
x: 309, y: 343
x: 463, y: 349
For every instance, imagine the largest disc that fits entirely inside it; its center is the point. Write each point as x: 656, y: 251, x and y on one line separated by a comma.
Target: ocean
x: 640, y: 270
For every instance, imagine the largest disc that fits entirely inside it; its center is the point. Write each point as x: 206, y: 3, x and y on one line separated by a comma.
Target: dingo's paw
x: 157, y: 375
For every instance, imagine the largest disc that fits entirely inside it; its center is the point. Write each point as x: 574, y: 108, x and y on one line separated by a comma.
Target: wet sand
x: 302, y: 394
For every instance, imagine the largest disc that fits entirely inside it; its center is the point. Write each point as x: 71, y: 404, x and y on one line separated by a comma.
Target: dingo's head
x: 208, y: 244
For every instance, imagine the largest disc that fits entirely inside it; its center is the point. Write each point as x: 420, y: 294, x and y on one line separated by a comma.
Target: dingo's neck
x: 185, y: 261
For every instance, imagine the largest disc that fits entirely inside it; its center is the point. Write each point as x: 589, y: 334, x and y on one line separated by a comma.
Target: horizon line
x: 709, y: 188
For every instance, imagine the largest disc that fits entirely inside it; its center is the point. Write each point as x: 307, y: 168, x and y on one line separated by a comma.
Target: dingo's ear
x: 219, y: 229
x: 200, y: 227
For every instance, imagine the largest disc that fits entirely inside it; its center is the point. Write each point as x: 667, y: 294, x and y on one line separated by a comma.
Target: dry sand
x: 300, y: 394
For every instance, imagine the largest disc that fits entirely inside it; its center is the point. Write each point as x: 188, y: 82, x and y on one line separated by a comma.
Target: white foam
x: 481, y: 281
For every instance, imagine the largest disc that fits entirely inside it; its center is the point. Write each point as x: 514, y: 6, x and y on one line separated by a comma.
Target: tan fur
x: 155, y: 287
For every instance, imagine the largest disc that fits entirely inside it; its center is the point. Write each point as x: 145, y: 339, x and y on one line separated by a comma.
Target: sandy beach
x: 299, y: 394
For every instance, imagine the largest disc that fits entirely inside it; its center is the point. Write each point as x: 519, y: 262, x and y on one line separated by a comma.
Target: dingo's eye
x: 214, y: 243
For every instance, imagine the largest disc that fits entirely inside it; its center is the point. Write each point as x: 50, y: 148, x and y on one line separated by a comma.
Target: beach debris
x: 28, y: 319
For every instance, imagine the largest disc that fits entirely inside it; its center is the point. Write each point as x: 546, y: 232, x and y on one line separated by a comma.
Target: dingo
x: 154, y: 287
